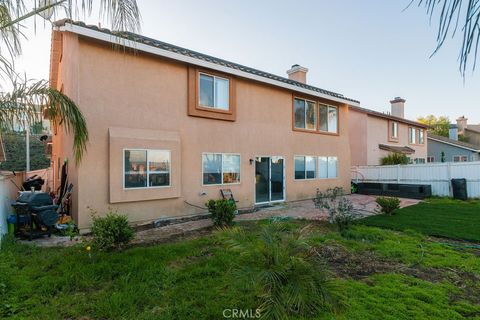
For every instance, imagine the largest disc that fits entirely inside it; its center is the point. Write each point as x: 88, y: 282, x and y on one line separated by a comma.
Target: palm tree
x: 457, y: 15
x: 21, y: 104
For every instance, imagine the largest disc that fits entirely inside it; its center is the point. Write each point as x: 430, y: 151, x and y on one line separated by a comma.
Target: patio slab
x: 363, y: 204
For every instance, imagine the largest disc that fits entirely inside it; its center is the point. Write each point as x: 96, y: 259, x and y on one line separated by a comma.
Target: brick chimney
x: 398, y: 107
x: 462, y: 124
x: 453, y: 132
x: 298, y: 73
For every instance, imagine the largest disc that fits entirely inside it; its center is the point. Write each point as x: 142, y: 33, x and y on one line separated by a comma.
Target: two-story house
x: 374, y: 135
x: 170, y: 127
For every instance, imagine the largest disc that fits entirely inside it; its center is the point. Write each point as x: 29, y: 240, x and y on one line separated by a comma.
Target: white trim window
x: 328, y: 118
x: 411, y: 135
x: 394, y: 130
x: 460, y: 158
x: 430, y: 159
x: 327, y: 167
x: 144, y: 168
x: 305, y: 114
x: 419, y: 160
x: 305, y: 167
x: 214, y: 92
x: 220, y: 168
x: 421, y: 136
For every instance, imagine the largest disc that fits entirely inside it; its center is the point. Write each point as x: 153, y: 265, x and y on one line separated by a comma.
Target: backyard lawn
x: 436, y: 217
x: 374, y: 273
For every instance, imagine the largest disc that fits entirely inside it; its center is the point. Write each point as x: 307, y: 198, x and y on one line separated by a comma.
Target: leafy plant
x: 340, y: 209
x: 222, y: 212
x: 71, y: 230
x: 286, y: 272
x: 111, y: 231
x: 388, y: 205
x: 394, y: 158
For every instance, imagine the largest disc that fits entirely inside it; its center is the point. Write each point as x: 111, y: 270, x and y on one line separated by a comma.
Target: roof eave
x: 453, y: 144
x: 377, y: 114
x: 110, y: 38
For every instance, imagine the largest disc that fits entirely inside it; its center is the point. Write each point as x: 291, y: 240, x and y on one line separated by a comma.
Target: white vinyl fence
x: 8, y: 191
x: 438, y: 175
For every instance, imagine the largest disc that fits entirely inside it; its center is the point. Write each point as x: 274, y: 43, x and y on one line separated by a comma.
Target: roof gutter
x: 453, y: 144
x: 179, y: 57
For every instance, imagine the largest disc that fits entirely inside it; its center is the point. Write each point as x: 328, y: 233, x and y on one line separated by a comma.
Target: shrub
x: 388, y: 205
x: 286, y: 272
x: 340, y: 209
x: 111, y: 231
x: 222, y: 212
x: 394, y: 158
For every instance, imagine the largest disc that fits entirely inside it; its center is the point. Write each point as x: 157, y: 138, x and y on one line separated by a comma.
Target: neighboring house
x: 374, y: 135
x: 470, y: 131
x: 443, y: 149
x: 170, y: 127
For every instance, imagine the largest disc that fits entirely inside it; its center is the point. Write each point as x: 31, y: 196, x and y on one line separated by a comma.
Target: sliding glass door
x: 269, y: 179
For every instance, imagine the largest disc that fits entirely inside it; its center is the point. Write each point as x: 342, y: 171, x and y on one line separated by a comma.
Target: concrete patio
x: 363, y: 205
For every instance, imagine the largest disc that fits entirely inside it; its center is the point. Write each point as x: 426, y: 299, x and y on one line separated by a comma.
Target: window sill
x: 316, y: 131
x: 221, y: 184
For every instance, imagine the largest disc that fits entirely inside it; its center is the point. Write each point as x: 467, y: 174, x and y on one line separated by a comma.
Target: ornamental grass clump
x: 287, y: 274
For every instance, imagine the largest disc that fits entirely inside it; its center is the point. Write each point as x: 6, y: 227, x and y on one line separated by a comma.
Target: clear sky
x: 369, y: 50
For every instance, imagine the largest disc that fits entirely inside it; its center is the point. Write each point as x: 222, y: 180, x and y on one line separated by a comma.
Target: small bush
x: 340, y: 209
x: 222, y: 211
x: 388, y: 205
x: 394, y: 158
x: 111, y: 231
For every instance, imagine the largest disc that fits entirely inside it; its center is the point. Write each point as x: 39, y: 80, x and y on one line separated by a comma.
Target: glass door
x: 269, y: 179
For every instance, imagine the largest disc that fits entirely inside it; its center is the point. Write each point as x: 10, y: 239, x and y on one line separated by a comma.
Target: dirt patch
x: 361, y: 265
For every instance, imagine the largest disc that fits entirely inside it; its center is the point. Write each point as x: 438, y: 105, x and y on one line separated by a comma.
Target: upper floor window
x: 220, y: 168
x: 328, y: 118
x: 421, y: 136
x: 146, y: 168
x: 394, y: 130
x: 214, y: 92
x: 411, y: 135
x: 305, y: 114
x: 308, y: 115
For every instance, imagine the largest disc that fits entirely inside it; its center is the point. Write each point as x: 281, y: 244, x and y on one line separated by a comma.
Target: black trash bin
x: 459, y: 188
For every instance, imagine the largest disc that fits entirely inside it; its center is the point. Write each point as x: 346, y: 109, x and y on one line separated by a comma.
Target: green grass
x: 195, y: 279
x: 436, y: 217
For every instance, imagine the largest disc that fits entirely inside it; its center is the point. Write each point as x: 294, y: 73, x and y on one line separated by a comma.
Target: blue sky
x: 370, y: 50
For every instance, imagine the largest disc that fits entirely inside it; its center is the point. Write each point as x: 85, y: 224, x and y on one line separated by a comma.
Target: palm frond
x: 455, y: 15
x: 29, y: 100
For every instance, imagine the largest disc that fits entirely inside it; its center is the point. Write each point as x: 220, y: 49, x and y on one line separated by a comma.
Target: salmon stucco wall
x: 358, y: 137
x: 127, y: 93
x: 367, y: 132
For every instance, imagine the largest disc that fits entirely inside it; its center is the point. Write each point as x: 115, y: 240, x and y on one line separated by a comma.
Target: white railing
x: 438, y: 175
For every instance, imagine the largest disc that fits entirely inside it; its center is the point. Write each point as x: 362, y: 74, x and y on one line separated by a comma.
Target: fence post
x: 398, y: 173
x: 449, y: 178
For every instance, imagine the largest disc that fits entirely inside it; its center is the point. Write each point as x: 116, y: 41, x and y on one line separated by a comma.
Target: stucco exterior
x: 368, y: 131
x: 141, y: 101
